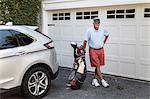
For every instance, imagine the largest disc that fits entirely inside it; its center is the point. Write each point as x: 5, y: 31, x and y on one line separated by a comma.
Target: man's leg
x: 95, y: 81
x: 98, y: 73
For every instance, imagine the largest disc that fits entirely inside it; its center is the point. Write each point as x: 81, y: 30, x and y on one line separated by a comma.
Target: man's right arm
x: 86, y: 38
x: 84, y: 44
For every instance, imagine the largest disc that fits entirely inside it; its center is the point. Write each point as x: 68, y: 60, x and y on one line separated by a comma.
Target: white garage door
x: 128, y: 48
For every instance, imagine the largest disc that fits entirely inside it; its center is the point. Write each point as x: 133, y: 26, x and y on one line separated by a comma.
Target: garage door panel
x: 79, y: 31
x: 144, y: 43
x: 66, y: 60
x: 127, y: 59
x: 114, y: 32
x: 58, y: 46
x: 145, y: 32
x: 128, y: 32
x: 123, y: 41
x: 80, y: 28
x: 79, y: 36
x: 145, y: 62
x: 145, y: 52
x: 127, y: 69
x: 144, y: 72
x: 54, y: 33
x: 66, y: 31
x: 128, y: 51
x: 112, y: 50
x: 66, y: 48
x: 111, y: 67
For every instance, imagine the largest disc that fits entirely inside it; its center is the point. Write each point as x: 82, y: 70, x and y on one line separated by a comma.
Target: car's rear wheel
x: 36, y: 82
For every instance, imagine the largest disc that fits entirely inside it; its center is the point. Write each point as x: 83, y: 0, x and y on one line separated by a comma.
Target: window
x: 94, y: 14
x: 78, y: 15
x: 130, y: 13
x: 110, y: 14
x: 147, y: 13
x: 86, y: 15
x: 55, y: 16
x: 120, y: 14
x: 67, y: 16
x: 22, y: 38
x: 7, y: 40
x: 11, y: 39
x: 60, y: 16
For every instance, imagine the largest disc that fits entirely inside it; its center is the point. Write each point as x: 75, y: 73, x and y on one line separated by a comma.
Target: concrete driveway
x: 120, y: 88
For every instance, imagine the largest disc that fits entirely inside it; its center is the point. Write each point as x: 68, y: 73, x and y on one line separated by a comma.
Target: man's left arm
x: 106, y: 37
x: 106, y: 34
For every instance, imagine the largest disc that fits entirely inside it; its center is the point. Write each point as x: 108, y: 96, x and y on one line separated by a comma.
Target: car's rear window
x: 23, y: 38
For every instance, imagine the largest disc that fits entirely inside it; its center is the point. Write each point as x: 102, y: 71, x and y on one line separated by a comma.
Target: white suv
x: 27, y: 59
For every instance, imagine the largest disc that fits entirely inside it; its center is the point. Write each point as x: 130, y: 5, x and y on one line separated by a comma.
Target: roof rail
x: 9, y: 23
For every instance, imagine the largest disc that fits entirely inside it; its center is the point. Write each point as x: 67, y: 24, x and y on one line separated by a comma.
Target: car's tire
x: 36, y: 82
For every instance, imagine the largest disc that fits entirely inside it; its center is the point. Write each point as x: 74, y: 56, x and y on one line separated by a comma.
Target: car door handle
x: 20, y: 53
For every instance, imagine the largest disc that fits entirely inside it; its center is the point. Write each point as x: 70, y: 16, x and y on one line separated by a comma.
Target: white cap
x: 96, y: 20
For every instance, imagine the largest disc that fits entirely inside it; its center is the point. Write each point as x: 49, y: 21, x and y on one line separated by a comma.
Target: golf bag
x: 78, y: 73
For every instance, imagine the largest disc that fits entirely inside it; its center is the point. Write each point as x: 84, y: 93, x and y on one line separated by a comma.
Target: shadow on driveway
x: 120, y: 88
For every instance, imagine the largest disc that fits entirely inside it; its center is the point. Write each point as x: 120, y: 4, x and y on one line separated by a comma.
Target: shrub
x: 20, y: 11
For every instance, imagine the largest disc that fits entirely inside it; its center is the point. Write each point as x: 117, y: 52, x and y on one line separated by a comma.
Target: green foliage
x: 20, y: 11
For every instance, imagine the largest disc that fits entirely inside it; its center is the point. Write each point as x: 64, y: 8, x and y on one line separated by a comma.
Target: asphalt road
x: 120, y: 88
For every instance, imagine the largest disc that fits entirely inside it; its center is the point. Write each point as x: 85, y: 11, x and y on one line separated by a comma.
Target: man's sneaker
x: 95, y: 83
x: 104, y: 83
x: 68, y: 84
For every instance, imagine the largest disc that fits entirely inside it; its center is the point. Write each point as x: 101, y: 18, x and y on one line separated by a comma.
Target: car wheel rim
x: 37, y: 83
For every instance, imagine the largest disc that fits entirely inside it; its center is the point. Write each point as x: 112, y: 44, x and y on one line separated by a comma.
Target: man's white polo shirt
x: 95, y: 38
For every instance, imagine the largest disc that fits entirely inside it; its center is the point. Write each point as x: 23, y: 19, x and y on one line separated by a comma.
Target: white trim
x: 58, y: 1
x: 69, y: 4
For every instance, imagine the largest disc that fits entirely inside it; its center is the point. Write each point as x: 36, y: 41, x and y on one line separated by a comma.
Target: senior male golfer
x: 96, y: 38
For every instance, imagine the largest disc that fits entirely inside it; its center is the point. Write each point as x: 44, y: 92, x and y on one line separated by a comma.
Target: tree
x: 20, y: 11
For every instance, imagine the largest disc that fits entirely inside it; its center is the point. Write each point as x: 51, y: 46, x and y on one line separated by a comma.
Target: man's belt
x: 96, y: 48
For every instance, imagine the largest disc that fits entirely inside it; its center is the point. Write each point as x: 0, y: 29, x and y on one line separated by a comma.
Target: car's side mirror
x: 73, y: 44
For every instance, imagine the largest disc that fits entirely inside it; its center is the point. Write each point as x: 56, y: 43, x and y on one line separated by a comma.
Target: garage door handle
x: 51, y: 24
x: 20, y: 53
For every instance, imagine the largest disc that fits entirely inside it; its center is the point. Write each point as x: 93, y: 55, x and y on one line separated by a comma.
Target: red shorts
x: 97, y: 57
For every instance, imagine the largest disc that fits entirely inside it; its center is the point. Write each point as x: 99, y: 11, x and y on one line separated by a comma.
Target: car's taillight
x: 49, y: 45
